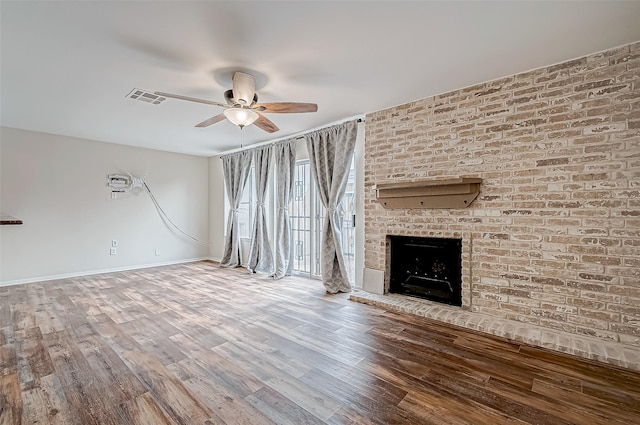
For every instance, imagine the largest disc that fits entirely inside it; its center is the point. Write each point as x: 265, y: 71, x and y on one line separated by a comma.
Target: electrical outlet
x: 113, y: 251
x: 157, y: 252
x: 114, y: 242
x: 114, y: 195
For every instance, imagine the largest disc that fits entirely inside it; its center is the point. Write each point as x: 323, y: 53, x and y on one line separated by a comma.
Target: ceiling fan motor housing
x: 244, y: 88
x: 231, y: 100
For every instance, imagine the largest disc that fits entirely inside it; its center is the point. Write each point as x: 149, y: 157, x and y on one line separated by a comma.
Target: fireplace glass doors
x: 429, y: 268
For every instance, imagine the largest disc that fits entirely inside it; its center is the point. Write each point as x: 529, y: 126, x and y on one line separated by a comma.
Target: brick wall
x: 553, y: 239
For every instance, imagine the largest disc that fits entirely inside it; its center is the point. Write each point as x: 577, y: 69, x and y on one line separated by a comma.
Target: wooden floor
x: 196, y: 344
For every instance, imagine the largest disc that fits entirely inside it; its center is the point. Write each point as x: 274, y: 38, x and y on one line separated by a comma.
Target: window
x: 246, y: 209
x: 347, y: 209
x: 304, y: 221
x: 307, y: 217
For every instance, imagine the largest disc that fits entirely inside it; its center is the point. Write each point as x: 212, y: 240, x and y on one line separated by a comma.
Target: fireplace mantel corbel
x: 450, y: 193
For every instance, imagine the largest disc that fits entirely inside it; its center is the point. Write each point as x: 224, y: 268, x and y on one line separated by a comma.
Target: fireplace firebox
x: 429, y: 268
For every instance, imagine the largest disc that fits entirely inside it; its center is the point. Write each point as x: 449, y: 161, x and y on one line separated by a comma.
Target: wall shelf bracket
x: 449, y: 193
x: 9, y: 220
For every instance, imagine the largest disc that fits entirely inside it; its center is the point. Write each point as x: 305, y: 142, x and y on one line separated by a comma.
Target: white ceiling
x: 67, y: 66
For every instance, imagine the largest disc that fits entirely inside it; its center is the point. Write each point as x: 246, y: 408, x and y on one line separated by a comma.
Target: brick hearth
x: 578, y: 345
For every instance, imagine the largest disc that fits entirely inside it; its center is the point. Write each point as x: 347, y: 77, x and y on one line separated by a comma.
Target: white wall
x: 57, y: 186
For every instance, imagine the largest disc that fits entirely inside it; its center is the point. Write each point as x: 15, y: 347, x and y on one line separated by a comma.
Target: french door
x: 307, y: 216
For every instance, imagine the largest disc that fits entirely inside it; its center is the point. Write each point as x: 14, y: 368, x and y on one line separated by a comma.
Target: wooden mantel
x: 449, y: 193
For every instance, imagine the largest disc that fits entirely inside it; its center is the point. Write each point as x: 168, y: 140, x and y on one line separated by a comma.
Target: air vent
x: 146, y: 96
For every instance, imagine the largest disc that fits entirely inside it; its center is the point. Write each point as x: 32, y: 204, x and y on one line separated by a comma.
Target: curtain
x: 285, y: 168
x: 330, y: 154
x: 260, y: 255
x: 236, y: 168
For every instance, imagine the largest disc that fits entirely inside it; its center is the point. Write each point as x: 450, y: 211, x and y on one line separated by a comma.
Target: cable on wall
x: 164, y: 214
x: 122, y: 183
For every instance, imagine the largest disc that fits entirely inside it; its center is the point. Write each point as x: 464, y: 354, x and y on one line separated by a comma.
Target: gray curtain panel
x: 236, y: 168
x: 260, y: 254
x: 285, y: 168
x: 330, y: 153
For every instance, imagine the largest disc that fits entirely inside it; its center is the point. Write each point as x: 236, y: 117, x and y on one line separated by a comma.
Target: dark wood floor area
x: 197, y: 344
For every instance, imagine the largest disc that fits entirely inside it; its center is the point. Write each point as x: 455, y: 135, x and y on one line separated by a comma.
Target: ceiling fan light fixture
x: 241, y: 116
x: 242, y: 107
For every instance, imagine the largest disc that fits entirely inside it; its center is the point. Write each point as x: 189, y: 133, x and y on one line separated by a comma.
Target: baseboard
x: 92, y: 272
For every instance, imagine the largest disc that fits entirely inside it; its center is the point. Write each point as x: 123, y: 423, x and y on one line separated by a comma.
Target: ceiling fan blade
x: 190, y: 99
x: 286, y: 107
x: 266, y: 124
x: 244, y: 88
x: 212, y: 120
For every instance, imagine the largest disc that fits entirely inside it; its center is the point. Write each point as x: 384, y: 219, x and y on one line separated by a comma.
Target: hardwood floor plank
x: 626, y: 399
x: 348, y: 416
x: 415, y: 367
x: 44, y: 403
x: 585, y: 370
x: 382, y: 411
x: 279, y: 409
x: 46, y: 314
x: 168, y: 391
x: 264, y: 351
x: 8, y: 350
x: 347, y: 353
x: 308, y: 356
x: 439, y: 353
x: 33, y: 361
x: 591, y: 405
x: 483, y: 344
x: 162, y: 348
x: 224, y: 372
x: 5, y: 306
x: 223, y: 397
x: 23, y: 316
x: 10, y: 399
x: 560, y: 413
x: 366, y: 383
x: 120, y: 315
x: 307, y: 397
x: 430, y: 410
x: 82, y: 392
x: 200, y: 344
x: 203, y: 333
x: 109, y: 370
x: 114, y: 336
x: 146, y: 411
x: 482, y: 395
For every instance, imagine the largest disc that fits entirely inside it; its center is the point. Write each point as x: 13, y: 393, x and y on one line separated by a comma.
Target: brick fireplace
x: 553, y: 238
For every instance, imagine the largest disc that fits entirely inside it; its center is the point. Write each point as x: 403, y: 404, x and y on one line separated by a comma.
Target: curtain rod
x: 295, y: 137
x: 359, y: 120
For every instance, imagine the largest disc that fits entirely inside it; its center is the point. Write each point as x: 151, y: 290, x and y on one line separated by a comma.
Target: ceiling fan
x: 242, y: 107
